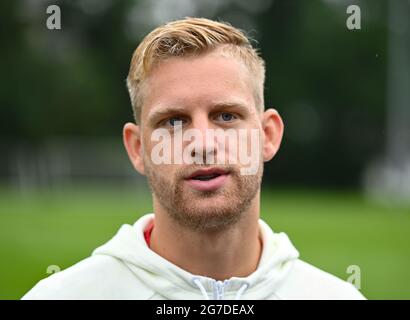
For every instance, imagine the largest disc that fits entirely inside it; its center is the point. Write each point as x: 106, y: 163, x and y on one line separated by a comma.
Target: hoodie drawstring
x: 198, y: 283
x: 241, y: 291
x: 201, y: 287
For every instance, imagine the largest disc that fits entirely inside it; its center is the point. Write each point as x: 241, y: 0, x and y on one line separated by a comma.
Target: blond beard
x: 185, y: 207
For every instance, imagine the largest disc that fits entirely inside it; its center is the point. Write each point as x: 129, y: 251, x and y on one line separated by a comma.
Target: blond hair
x: 191, y: 36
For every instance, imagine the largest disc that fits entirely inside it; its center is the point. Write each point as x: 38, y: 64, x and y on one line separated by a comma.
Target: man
x: 205, y: 239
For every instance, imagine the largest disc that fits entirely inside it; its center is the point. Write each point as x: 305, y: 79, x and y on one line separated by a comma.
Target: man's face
x: 203, y: 93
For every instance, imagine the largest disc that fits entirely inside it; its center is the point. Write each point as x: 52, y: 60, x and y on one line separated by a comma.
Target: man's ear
x: 272, y: 126
x: 131, y: 134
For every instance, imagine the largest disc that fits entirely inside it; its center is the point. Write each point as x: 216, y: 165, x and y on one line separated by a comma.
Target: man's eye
x: 226, y: 117
x: 174, y: 121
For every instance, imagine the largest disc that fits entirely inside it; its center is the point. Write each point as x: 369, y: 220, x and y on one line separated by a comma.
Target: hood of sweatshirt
x: 172, y: 282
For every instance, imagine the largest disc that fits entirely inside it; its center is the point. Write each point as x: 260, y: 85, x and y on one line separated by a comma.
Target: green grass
x: 331, y: 230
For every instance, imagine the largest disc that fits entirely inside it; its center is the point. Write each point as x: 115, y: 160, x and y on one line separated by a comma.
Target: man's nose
x: 206, y: 151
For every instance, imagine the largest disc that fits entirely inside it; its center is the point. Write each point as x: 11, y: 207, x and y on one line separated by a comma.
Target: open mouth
x: 208, y: 179
x: 207, y: 174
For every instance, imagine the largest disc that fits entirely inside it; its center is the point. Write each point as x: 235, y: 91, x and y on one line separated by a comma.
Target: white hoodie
x: 125, y: 268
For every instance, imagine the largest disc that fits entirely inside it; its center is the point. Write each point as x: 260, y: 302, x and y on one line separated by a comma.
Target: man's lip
x: 206, y: 172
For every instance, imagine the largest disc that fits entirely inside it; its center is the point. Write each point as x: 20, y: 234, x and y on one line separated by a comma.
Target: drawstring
x: 201, y: 287
x: 199, y: 284
x: 241, y: 291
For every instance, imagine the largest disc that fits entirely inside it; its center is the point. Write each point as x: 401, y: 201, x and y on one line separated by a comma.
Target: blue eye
x: 226, y: 116
x: 174, y: 121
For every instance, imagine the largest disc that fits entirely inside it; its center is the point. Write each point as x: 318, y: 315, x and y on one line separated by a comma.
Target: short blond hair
x: 192, y: 36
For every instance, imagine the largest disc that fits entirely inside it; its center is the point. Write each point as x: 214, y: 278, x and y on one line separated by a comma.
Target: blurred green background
x: 331, y: 229
x: 339, y: 187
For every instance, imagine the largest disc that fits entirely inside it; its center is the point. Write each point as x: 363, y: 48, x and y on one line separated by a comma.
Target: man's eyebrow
x: 236, y: 105
x: 164, y: 111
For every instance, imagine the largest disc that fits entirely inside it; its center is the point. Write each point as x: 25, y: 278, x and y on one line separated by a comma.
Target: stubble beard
x: 204, y: 211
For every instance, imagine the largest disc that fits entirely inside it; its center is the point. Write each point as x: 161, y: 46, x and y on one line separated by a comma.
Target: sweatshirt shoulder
x: 307, y: 282
x: 96, y: 277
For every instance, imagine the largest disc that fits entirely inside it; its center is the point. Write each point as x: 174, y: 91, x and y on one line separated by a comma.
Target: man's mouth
x: 207, y: 179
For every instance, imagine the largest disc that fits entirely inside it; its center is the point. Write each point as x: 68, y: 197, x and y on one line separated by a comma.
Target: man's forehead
x: 198, y: 71
x: 181, y: 84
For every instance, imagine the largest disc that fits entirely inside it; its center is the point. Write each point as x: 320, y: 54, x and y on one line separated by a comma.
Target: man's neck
x: 230, y: 252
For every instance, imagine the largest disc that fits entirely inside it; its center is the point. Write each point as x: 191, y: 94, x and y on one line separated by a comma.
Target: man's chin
x: 208, y: 198
x: 201, y: 216
x: 209, y: 202
x: 209, y: 211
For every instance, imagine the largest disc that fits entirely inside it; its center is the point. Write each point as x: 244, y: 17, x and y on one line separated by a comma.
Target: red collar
x: 148, y: 231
